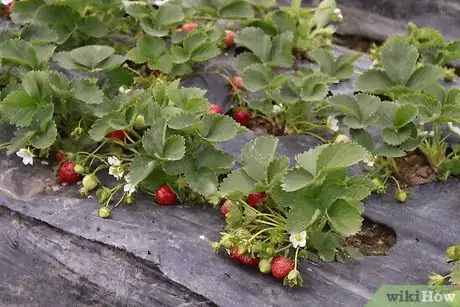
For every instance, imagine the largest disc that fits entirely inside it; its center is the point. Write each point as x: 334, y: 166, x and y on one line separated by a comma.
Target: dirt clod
x: 373, y: 239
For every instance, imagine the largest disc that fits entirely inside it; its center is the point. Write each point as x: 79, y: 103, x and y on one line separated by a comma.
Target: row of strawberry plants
x: 153, y: 135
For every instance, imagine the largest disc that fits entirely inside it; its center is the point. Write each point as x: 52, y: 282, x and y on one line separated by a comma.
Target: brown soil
x: 262, y: 126
x: 414, y: 169
x: 373, y: 239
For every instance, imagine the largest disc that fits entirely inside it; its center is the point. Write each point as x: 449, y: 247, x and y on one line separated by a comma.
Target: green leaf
x: 44, y: 140
x: 398, y: 59
x: 24, y: 11
x: 36, y: 84
x: 425, y: 76
x: 179, y: 55
x: 237, y: 182
x: 237, y: 10
x: 54, y: 14
x: 372, y: 80
x: 324, y: 12
x: 404, y: 115
x: 326, y: 244
x: 281, y: 50
x: 344, y: 217
x: 219, y: 128
x: 141, y: 167
x: 389, y: 151
x: 185, y: 122
x: 99, y: 129
x: 38, y: 34
x: 277, y: 170
x: 136, y: 8
x: 169, y: 15
x: 205, y: 52
x: 19, y: 108
x: 257, y: 77
x: 304, y: 213
x: 86, y: 91
x: 151, y: 47
x: 20, y: 53
x: 363, y: 138
x: 215, y: 159
x: 44, y: 53
x: 150, y: 27
x: 203, y: 181
x: 91, y: 56
x: 93, y: 27
x: 284, y: 21
x: 245, y: 60
x: 174, y: 148
x: 296, y: 179
x: 396, y: 137
x: 336, y: 156
x: 325, y: 60
x: 308, y: 160
x: 174, y: 168
x: 257, y: 155
x: 255, y: 40
x: 20, y: 140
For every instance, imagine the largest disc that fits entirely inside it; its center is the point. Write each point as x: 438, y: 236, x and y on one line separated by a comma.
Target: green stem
x: 260, y: 232
x: 296, y: 256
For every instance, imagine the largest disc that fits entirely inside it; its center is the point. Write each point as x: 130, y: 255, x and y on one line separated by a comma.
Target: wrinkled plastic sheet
x: 176, y: 240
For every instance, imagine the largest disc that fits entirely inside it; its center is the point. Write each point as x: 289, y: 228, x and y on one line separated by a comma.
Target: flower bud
x: 77, y: 133
x: 104, y: 212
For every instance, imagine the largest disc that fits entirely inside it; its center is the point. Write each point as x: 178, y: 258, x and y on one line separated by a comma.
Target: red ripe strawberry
x: 60, y: 156
x: 188, y: 27
x: 117, y: 134
x: 165, y: 195
x: 237, y: 82
x: 229, y: 38
x: 67, y: 173
x: 226, y: 206
x: 214, y: 108
x: 255, y: 198
x: 242, y: 116
x: 281, y: 266
x: 243, y: 258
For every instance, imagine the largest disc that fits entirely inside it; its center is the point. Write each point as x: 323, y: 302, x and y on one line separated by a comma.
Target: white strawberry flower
x: 129, y: 187
x: 124, y: 90
x: 115, y: 169
x: 299, y: 239
x: 332, y: 123
x: 26, y: 155
x: 453, y: 128
x: 431, y: 133
x: 6, y: 2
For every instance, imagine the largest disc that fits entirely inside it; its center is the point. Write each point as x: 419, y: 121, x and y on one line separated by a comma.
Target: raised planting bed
x: 152, y: 166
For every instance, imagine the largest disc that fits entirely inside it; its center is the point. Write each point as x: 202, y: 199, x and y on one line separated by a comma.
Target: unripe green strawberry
x: 226, y: 241
x: 241, y: 249
x: 265, y: 266
x: 104, y: 212
x: 377, y: 183
x: 139, y: 123
x: 90, y: 182
x: 79, y: 169
x: 453, y: 253
x: 401, y: 196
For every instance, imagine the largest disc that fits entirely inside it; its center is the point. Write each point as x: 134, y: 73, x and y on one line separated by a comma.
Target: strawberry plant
x: 300, y: 212
x: 311, y: 28
x: 400, y: 74
x: 68, y: 22
x: 340, y: 68
x: 432, y: 47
